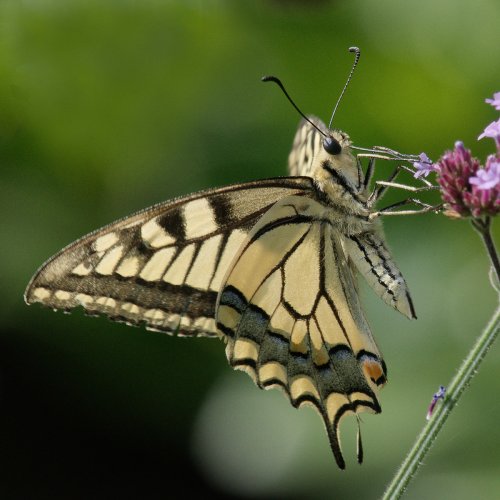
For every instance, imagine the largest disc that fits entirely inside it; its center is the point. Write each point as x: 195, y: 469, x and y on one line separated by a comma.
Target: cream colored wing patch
x: 292, y: 319
x: 306, y: 144
x: 164, y: 266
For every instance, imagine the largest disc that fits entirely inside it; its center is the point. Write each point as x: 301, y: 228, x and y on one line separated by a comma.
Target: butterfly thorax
x: 338, y: 177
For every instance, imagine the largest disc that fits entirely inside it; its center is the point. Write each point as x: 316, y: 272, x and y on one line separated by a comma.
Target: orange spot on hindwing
x: 374, y: 369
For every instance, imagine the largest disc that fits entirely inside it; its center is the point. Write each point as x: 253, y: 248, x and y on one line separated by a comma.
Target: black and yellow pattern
x: 266, y: 265
x: 295, y: 322
x: 163, y: 266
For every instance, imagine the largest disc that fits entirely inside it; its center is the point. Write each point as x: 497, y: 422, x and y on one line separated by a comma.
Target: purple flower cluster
x: 455, y: 168
x: 468, y: 188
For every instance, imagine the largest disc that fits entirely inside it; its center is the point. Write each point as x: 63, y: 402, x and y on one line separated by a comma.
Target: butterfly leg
x: 379, y: 191
x: 382, y: 186
x: 369, y: 172
x: 390, y: 210
x: 364, y: 185
x: 406, y: 187
x: 395, y: 154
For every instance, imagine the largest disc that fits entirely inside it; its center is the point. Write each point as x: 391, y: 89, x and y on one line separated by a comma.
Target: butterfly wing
x: 163, y: 266
x: 369, y: 253
x: 306, y: 143
x: 292, y: 318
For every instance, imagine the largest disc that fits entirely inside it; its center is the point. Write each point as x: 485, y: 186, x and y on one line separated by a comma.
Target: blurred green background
x: 110, y: 106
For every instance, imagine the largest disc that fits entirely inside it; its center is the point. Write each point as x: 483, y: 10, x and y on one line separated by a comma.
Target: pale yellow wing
x: 291, y: 315
x: 161, y: 267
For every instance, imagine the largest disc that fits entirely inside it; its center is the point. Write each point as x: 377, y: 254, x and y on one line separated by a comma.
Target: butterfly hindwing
x: 163, y: 266
x: 369, y: 253
x: 292, y: 318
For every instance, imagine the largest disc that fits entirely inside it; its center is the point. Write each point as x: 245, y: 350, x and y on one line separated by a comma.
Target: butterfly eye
x: 332, y: 146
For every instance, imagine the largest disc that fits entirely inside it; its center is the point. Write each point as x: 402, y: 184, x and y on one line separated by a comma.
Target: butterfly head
x: 334, y: 162
x: 335, y: 143
x: 332, y: 145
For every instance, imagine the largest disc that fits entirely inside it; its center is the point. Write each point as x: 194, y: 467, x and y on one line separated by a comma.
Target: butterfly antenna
x: 357, y: 53
x: 277, y: 81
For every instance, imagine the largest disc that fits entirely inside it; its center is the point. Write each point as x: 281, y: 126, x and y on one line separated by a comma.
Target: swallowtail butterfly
x: 266, y: 266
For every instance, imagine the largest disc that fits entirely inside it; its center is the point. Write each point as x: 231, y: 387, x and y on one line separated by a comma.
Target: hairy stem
x: 429, y: 433
x: 483, y: 228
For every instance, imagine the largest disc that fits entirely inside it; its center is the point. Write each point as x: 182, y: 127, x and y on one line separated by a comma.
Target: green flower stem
x: 429, y: 433
x: 461, y: 380
x: 483, y: 228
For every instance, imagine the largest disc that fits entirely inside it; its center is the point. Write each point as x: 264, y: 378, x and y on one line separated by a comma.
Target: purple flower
x: 424, y: 166
x: 492, y: 130
x: 466, y: 187
x: 437, y: 396
x: 495, y: 102
x: 488, y: 177
x: 455, y: 169
x: 484, y: 198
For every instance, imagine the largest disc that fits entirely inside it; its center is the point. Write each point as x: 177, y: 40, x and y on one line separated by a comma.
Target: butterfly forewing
x: 161, y: 267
